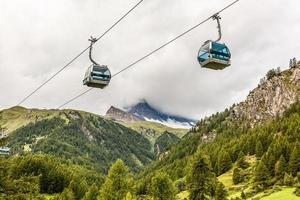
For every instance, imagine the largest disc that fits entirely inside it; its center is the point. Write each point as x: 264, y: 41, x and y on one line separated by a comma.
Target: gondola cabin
x: 214, y: 55
x: 97, y: 76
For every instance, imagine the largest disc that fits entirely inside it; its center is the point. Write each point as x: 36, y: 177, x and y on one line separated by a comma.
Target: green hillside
x: 16, y: 117
x: 84, y: 139
x: 245, y: 152
x: 227, y: 157
x: 272, y: 149
x: 164, y: 142
x: 153, y: 130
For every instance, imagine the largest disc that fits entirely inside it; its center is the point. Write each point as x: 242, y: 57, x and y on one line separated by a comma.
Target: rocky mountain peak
x: 147, y: 112
x: 271, y: 97
x: 121, y: 115
x: 143, y: 111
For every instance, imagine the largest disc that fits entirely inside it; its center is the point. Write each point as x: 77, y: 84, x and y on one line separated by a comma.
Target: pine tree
x: 237, y: 176
x: 294, y: 163
x: 162, y: 187
x: 92, y: 193
x: 270, y: 160
x: 79, y: 187
x: 221, y: 192
x: 224, y: 162
x: 199, y: 177
x: 241, y: 162
x: 67, y: 194
x: 288, y: 180
x: 262, y: 174
x: 117, y: 184
x: 259, y: 150
x: 280, y: 167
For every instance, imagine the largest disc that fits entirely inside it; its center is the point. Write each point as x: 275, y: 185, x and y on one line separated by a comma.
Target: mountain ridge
x: 143, y: 111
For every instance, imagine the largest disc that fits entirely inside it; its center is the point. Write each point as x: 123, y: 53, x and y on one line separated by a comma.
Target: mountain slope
x: 271, y: 98
x: 164, y: 142
x: 16, y: 117
x: 120, y: 115
x: 265, y: 130
x: 84, y: 139
x: 151, y: 130
x: 145, y: 111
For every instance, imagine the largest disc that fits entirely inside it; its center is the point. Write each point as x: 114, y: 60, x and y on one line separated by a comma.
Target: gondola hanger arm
x: 93, y: 41
x: 217, y: 17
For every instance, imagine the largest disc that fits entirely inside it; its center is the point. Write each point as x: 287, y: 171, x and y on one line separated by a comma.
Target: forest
x: 192, y: 167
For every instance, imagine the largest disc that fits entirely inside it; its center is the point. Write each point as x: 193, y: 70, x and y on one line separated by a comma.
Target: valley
x: 249, y: 151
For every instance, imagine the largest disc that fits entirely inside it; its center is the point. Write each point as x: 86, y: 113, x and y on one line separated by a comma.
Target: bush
x: 272, y: 73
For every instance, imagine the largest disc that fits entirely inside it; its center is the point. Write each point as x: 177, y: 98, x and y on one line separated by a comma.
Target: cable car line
x: 76, y: 57
x: 154, y: 51
x: 74, y: 98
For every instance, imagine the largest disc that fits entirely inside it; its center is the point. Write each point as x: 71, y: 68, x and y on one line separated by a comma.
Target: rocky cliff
x: 121, y: 115
x: 271, y: 97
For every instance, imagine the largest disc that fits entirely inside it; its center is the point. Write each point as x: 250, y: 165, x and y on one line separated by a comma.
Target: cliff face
x: 271, y: 98
x: 121, y: 115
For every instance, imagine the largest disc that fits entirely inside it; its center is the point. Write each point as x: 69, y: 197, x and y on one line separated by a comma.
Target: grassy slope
x: 226, y: 179
x: 142, y: 126
x: 16, y: 117
x: 182, y: 195
x: 285, y: 194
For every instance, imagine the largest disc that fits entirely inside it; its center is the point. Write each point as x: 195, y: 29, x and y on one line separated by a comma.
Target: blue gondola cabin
x: 214, y: 55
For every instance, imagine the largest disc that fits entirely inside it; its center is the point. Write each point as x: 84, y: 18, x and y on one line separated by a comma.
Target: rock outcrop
x: 121, y: 115
x: 271, y: 98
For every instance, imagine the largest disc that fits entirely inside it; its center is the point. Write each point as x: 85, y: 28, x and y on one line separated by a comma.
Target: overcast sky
x: 37, y: 37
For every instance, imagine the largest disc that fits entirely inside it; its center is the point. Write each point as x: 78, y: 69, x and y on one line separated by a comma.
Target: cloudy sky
x: 37, y: 37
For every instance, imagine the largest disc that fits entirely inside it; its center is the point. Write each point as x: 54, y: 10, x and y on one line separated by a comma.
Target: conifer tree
x: 117, y: 184
x: 79, y: 187
x: 67, y: 194
x: 162, y: 187
x: 221, y: 192
x: 294, y: 163
x: 288, y: 180
x: 259, y: 150
x: 280, y: 167
x: 270, y: 160
x: 224, y: 162
x: 237, y: 176
x: 92, y: 193
x: 199, y: 177
x: 241, y: 162
x: 262, y: 174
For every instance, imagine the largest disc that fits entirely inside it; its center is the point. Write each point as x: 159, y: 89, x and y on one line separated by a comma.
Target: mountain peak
x: 121, y: 115
x: 148, y: 113
x: 143, y: 111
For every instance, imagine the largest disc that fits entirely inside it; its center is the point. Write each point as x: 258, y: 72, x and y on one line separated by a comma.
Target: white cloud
x: 38, y: 37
